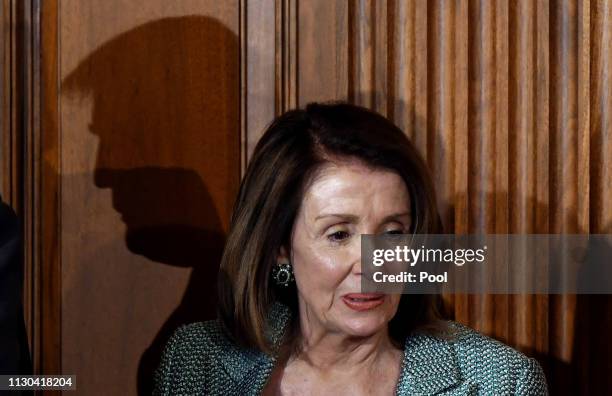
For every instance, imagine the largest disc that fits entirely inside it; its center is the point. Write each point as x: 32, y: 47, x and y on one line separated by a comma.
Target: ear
x: 283, y: 256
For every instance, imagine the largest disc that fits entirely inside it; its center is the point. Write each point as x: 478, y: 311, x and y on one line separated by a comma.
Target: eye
x: 394, y: 232
x: 338, y: 236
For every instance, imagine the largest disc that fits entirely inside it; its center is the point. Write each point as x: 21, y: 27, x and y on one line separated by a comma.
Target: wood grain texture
x: 599, y: 140
x: 286, y: 94
x: 322, y: 64
x: 46, y: 349
x: 138, y: 165
x: 6, y: 66
x: 259, y: 65
x: 509, y: 101
x: 521, y: 148
x: 600, y: 127
x: 14, y: 43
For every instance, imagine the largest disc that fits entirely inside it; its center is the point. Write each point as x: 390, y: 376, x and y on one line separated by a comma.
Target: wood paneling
x: 47, y: 347
x: 136, y: 158
x: 322, y: 64
x: 509, y: 103
x: 141, y: 116
x: 12, y: 42
x: 24, y: 180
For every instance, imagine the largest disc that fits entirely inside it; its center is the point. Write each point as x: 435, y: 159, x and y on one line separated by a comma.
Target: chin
x: 366, y: 326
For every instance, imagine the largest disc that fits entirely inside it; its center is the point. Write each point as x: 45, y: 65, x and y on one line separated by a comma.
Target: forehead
x: 338, y: 185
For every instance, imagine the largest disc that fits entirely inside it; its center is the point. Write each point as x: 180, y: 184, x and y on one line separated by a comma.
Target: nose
x: 356, y: 257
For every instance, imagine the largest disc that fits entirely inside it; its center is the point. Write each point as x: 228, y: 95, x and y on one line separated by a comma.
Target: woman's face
x: 343, y: 202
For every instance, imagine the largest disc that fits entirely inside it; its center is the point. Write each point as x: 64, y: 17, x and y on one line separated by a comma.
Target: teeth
x: 361, y: 299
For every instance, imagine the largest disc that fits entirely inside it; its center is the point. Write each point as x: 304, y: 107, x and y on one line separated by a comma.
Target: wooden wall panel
x: 521, y: 149
x: 322, y: 64
x: 599, y: 144
x: 601, y: 117
x: 142, y: 152
x: 45, y: 251
x: 21, y: 169
x: 12, y: 46
x: 509, y: 101
x: 258, y: 64
x: 6, y: 38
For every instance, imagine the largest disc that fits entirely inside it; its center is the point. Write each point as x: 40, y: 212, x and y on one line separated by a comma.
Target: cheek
x: 318, y: 269
x: 394, y: 301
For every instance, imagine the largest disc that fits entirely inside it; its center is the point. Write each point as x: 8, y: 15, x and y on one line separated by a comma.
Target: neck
x: 324, y: 349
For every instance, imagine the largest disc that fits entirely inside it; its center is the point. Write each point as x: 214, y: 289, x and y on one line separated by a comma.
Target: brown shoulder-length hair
x: 290, y: 151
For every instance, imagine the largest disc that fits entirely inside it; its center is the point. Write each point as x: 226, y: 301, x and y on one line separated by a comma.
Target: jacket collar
x: 429, y: 365
x: 250, y: 368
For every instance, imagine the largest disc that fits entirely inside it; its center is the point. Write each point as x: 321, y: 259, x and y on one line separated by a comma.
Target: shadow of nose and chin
x: 170, y: 219
x: 169, y: 214
x: 165, y: 111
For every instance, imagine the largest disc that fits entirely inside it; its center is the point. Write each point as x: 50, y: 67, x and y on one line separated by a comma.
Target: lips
x: 363, y: 301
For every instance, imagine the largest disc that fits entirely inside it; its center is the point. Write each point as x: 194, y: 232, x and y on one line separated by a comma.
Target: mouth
x: 363, y: 301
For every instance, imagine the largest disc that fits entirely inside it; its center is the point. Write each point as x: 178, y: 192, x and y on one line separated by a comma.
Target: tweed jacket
x: 199, y: 359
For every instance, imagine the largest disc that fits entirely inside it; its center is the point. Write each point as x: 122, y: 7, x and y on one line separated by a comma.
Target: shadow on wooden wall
x: 165, y: 110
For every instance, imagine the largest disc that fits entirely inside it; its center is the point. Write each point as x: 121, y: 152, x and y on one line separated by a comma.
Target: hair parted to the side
x: 294, y: 146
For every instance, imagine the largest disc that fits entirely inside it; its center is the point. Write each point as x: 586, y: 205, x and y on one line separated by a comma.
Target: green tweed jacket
x: 200, y: 360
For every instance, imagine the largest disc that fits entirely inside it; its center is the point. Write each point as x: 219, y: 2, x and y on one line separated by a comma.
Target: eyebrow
x: 351, y: 217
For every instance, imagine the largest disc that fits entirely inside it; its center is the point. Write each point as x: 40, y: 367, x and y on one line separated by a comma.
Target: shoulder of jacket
x: 10, y: 224
x: 199, y: 336
x: 186, y: 359
x: 472, y: 342
x: 482, y: 356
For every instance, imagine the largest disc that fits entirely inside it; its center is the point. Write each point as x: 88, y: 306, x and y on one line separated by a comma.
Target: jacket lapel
x: 250, y: 369
x: 430, y: 367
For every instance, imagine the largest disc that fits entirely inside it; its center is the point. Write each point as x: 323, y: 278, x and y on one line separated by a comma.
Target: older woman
x: 292, y: 319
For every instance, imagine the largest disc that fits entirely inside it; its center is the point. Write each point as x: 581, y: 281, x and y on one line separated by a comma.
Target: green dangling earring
x: 283, y: 274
